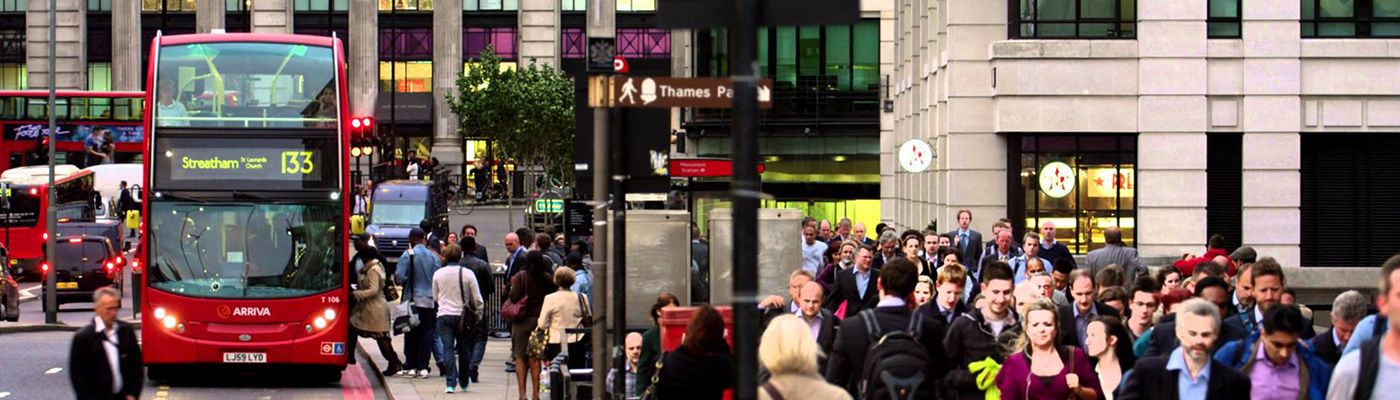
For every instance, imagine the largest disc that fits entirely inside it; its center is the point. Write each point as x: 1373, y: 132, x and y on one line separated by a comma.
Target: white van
x: 108, y: 178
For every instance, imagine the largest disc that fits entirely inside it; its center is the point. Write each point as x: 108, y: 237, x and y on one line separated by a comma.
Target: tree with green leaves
x: 528, y: 112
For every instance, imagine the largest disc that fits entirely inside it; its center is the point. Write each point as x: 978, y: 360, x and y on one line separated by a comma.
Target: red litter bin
x: 675, y: 320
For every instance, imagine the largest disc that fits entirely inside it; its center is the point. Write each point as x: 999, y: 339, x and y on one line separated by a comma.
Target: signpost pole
x: 745, y: 191
x: 601, y: 23
x: 51, y: 220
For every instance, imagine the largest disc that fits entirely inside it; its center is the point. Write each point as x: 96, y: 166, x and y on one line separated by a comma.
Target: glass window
x: 100, y: 77
x: 168, y: 5
x: 644, y: 43
x: 17, y: 6
x: 866, y: 69
x: 267, y: 84
x: 245, y: 250
x: 14, y: 76
x: 573, y: 5
x: 1082, y: 183
x: 838, y: 56
x: 809, y: 50
x: 1074, y: 19
x: 99, y: 5
x: 787, y: 55
x: 490, y: 5
x: 406, y: 76
x: 406, y: 5
x: 322, y: 5
x: 1224, y: 18
x: 1350, y: 18
x: 636, y: 5
x: 475, y: 40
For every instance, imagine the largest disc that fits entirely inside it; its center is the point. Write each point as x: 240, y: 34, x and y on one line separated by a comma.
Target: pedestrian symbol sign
x: 668, y: 92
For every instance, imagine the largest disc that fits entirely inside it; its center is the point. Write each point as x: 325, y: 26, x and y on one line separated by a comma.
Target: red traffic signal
x: 355, y: 123
x: 361, y: 123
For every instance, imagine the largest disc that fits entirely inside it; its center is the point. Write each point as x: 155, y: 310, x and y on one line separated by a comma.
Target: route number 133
x: 297, y: 162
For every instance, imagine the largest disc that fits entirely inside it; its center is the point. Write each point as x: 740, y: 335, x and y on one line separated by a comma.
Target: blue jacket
x: 425, y: 263
x: 1240, y: 356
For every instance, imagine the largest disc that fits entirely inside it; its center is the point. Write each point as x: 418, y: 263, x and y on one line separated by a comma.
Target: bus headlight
x: 319, y: 322
x: 169, y: 322
x: 330, y: 314
x: 160, y: 313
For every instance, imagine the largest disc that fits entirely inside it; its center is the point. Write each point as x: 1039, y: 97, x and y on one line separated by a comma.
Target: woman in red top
x: 1042, y: 370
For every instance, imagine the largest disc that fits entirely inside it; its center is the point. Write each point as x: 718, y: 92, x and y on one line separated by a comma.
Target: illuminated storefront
x: 1081, y: 183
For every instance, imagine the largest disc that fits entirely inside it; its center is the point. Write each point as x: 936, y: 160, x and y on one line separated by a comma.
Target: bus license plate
x: 245, y: 358
x: 68, y: 285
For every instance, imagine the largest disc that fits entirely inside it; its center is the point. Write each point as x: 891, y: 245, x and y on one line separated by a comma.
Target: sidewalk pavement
x: 495, y: 383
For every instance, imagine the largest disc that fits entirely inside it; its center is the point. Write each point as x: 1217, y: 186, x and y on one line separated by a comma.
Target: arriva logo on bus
x: 225, y: 311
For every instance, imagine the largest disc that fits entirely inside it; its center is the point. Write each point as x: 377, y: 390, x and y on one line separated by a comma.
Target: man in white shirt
x: 104, y: 361
x: 812, y: 251
x: 453, y: 284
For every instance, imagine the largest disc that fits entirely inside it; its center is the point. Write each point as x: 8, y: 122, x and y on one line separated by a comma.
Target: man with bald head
x: 858, y: 234
x: 1114, y: 252
x: 820, y: 321
x: 516, y: 261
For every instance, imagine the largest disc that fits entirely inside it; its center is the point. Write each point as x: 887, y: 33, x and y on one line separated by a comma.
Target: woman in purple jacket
x: 1042, y: 370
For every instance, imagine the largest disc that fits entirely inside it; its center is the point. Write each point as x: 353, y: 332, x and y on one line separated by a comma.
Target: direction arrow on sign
x: 668, y: 92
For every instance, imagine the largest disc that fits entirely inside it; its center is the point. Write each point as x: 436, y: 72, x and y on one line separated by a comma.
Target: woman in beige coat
x: 564, y: 309
x: 789, y: 352
x: 369, y: 317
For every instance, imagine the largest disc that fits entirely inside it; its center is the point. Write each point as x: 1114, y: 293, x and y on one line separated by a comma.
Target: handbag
x: 405, y: 317
x: 511, y: 311
x: 539, y: 341
x: 650, y: 393
x: 468, y: 324
x: 587, y: 321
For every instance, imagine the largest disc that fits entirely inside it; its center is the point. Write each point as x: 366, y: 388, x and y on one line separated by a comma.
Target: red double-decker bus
x: 24, y: 120
x: 22, y: 228
x: 246, y: 213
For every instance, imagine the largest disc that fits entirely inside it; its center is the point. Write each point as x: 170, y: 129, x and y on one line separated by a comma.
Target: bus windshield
x: 246, y: 85
x: 245, y: 250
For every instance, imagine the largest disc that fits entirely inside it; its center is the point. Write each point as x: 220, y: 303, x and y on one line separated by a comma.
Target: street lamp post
x: 51, y: 219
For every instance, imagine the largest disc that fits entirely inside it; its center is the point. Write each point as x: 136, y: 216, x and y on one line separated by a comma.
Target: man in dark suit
x: 1074, y: 317
x: 104, y: 361
x: 1159, y: 377
x: 893, y: 314
x: 856, y: 286
x: 967, y: 241
x: 858, y: 233
x: 888, y: 250
x: 125, y: 203
x: 1347, y: 310
x: 1213, y: 290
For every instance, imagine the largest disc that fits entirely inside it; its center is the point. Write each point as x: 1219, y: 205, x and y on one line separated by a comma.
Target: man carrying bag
x: 415, y: 269
x: 458, y: 316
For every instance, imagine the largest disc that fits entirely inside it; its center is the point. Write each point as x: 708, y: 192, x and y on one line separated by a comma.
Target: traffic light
x: 362, y: 136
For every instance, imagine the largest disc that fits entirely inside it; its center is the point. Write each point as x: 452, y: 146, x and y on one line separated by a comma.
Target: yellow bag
x: 133, y: 219
x: 357, y: 224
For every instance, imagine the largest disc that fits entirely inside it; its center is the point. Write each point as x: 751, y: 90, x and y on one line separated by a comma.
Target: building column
x: 1272, y: 118
x: 70, y: 47
x: 272, y: 16
x: 363, y: 56
x: 974, y: 155
x: 126, y: 46
x: 208, y: 16
x: 1172, y: 47
x: 539, y: 32
x: 447, y: 64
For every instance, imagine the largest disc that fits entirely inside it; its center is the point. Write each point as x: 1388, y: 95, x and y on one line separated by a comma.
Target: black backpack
x: 896, y: 364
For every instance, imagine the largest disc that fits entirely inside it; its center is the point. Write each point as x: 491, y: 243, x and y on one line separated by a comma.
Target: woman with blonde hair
x: 1041, y: 370
x: 789, y: 353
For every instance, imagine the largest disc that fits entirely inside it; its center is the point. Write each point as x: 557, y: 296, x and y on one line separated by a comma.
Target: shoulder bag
x: 468, y: 323
x: 405, y: 317
x: 511, y: 311
x: 587, y: 321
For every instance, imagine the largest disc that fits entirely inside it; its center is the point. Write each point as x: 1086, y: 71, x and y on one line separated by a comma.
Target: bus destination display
x: 244, y: 163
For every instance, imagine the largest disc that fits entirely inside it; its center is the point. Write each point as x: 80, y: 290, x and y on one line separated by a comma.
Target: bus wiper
x: 239, y: 194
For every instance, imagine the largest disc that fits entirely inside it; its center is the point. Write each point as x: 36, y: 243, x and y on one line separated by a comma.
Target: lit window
x: 100, y: 76
x: 406, y: 76
x: 490, y: 5
x: 1224, y: 18
x: 1350, y: 18
x: 406, y: 5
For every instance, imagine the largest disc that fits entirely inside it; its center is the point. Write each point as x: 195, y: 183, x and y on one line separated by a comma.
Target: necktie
x: 962, y: 238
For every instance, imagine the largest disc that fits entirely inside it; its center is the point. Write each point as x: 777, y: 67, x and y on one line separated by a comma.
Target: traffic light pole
x: 745, y: 192
x: 51, y: 219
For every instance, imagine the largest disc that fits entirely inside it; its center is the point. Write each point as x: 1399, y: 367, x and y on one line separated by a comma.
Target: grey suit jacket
x: 1126, y: 257
x: 973, y: 255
